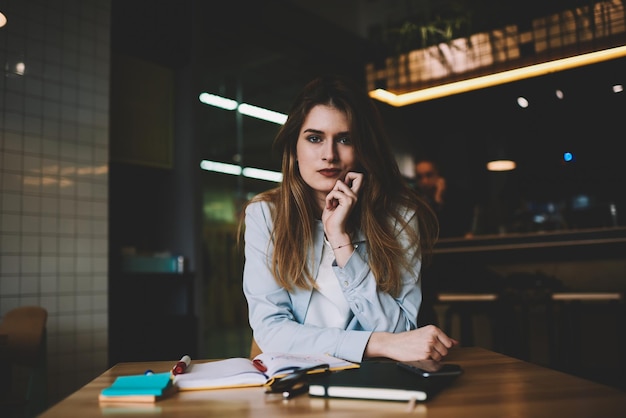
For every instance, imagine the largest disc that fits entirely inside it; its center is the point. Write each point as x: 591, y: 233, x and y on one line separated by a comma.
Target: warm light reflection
x: 48, y: 180
x: 3, y: 19
x: 495, y: 79
x: 20, y: 68
x: 101, y: 169
x: 501, y: 165
x: 31, y: 181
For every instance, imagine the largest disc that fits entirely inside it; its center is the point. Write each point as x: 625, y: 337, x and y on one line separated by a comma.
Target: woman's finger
x: 338, y: 197
x: 354, y: 180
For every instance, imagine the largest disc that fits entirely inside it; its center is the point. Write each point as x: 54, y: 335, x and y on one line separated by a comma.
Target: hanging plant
x: 424, y: 31
x: 427, y: 27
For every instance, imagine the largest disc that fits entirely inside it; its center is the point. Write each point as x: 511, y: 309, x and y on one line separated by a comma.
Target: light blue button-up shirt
x: 276, y: 315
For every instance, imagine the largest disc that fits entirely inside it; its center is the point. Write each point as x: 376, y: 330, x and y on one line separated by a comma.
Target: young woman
x: 333, y: 255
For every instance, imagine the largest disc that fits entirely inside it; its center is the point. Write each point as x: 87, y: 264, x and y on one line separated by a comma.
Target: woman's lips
x: 329, y: 172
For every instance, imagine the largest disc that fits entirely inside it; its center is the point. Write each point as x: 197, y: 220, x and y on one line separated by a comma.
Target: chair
x: 464, y: 294
x: 566, y: 331
x: 466, y: 306
x: 23, y: 362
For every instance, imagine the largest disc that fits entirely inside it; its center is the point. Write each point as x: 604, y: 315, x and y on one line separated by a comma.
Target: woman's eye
x: 313, y: 138
x: 344, y: 140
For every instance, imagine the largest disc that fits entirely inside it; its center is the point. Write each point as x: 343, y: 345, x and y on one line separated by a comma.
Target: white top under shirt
x: 328, y: 307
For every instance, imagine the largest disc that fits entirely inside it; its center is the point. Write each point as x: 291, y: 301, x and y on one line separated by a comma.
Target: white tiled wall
x: 54, y: 152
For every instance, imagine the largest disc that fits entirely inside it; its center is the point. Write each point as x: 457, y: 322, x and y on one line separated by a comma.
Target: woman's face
x: 324, y: 150
x: 426, y: 176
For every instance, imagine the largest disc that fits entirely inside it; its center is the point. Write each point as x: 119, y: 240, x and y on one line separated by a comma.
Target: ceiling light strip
x: 261, y: 113
x: 218, y: 101
x: 243, y: 108
x: 503, y: 77
x: 251, y: 172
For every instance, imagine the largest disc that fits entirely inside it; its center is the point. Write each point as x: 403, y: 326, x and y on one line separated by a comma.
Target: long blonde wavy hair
x: 383, y: 196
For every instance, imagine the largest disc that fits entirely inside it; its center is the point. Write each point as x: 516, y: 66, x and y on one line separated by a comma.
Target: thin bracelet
x: 344, y: 245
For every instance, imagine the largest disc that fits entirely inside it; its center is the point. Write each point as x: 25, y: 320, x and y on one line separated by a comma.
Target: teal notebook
x: 139, y: 388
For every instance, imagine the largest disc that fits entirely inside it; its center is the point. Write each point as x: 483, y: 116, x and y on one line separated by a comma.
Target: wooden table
x: 493, y: 385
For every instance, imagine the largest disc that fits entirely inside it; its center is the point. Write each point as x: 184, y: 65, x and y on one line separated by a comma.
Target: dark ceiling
x: 264, y: 52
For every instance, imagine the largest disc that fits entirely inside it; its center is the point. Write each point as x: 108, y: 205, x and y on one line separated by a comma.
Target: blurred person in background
x: 454, y: 207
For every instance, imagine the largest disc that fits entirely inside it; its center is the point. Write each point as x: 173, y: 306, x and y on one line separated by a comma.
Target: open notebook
x: 242, y: 372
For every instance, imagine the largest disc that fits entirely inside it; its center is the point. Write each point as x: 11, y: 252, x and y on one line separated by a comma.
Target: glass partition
x: 570, y: 171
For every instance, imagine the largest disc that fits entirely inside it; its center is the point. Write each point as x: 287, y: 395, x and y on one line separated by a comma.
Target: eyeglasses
x: 296, y: 382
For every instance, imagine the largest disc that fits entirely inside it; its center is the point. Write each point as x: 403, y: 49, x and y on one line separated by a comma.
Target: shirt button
x: 345, y: 283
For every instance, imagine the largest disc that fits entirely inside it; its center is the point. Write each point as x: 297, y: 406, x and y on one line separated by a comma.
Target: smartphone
x: 428, y: 368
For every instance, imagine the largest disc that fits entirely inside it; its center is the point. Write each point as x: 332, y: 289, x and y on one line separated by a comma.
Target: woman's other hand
x: 428, y: 342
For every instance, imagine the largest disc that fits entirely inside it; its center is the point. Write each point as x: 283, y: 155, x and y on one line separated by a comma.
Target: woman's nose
x: 329, y: 151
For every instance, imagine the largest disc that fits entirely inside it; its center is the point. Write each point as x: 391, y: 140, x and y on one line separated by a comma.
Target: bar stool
x: 566, y: 336
x: 526, y: 312
x: 465, y: 306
